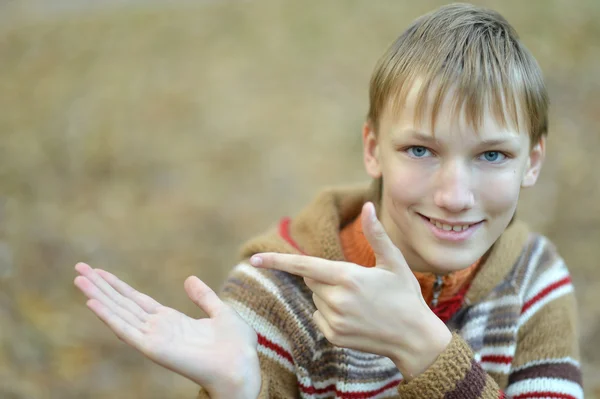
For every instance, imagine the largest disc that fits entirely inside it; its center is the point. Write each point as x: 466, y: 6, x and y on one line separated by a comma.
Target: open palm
x: 218, y: 353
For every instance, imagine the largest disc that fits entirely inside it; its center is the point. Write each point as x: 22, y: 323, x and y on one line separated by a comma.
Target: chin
x: 448, y: 261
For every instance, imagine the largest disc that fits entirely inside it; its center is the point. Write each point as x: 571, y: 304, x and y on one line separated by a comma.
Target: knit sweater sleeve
x: 256, y: 296
x: 545, y: 362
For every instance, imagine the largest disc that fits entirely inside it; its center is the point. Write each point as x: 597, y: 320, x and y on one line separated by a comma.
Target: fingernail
x: 256, y: 260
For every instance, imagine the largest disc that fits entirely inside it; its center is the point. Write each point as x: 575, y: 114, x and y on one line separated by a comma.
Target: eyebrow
x: 415, y: 134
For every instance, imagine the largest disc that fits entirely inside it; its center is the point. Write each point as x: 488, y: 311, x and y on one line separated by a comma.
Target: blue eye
x: 493, y: 156
x: 418, y: 151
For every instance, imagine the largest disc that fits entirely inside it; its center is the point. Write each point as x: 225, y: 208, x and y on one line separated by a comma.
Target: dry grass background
x: 152, y: 138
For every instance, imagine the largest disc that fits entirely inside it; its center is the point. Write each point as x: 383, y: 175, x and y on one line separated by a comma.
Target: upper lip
x: 450, y: 222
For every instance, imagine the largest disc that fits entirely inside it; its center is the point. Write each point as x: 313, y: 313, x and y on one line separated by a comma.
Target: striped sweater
x: 514, y: 336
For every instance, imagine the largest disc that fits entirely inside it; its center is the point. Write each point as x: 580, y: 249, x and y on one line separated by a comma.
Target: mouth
x: 451, y: 230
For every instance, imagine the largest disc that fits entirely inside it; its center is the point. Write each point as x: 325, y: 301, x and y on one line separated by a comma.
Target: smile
x: 448, y: 227
x: 451, y: 231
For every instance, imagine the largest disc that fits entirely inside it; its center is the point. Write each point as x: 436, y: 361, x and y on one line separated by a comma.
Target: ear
x: 534, y: 163
x: 371, y: 152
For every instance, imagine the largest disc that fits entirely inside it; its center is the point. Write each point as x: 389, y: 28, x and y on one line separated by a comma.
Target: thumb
x: 386, y: 253
x: 203, y: 296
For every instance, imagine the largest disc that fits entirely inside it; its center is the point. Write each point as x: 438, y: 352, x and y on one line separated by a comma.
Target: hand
x: 378, y: 310
x: 218, y: 353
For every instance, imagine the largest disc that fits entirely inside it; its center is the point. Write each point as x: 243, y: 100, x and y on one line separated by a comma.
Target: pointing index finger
x: 322, y: 270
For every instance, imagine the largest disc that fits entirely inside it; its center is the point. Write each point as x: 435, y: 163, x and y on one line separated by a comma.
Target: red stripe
x: 501, y: 395
x: 543, y: 395
x: 497, y: 359
x: 545, y: 292
x: 284, y: 232
x: 262, y: 340
x: 348, y: 395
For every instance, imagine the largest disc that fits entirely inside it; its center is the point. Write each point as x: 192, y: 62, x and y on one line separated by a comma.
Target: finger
x: 316, y: 286
x: 385, y: 250
x: 203, y: 296
x: 142, y: 300
x: 92, y: 292
x: 110, y: 292
x: 122, y: 329
x: 323, y: 325
x: 322, y: 270
x: 323, y: 307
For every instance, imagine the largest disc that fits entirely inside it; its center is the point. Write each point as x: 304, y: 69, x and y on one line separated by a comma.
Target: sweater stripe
x: 269, y: 285
x: 545, y: 292
x: 497, y: 359
x: 566, y: 360
x: 566, y: 371
x: 357, y: 394
x: 263, y: 341
x: 473, y: 383
x: 270, y: 342
x: 545, y: 388
x: 284, y: 232
x: 549, y: 294
x: 555, y: 271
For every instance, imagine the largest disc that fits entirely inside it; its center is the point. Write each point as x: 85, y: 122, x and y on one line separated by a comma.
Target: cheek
x: 499, y: 194
x: 405, y: 184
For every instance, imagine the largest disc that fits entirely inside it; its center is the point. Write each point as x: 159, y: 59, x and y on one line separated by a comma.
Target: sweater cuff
x: 455, y: 370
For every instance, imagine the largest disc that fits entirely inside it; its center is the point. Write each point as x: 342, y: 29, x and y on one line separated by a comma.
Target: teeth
x: 448, y: 227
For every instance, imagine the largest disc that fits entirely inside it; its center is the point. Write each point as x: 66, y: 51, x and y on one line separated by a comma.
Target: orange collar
x: 357, y: 250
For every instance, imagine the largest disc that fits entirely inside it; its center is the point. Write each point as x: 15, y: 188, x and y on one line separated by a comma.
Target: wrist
x: 242, y: 379
x: 431, y: 339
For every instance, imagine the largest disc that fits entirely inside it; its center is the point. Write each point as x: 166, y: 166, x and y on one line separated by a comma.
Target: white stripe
x: 271, y: 354
x: 472, y: 334
x: 496, y: 368
x: 532, y: 264
x: 266, y: 329
x: 268, y: 285
x: 557, y: 293
x: 260, y: 324
x: 485, y: 308
x: 555, y: 273
x: 343, y: 387
x: 507, y: 350
x: 380, y: 365
x: 553, y: 385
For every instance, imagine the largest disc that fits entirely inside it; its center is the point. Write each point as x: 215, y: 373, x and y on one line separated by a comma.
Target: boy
x: 423, y: 285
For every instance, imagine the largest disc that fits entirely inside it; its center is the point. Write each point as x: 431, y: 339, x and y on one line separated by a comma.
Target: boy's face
x: 448, y: 196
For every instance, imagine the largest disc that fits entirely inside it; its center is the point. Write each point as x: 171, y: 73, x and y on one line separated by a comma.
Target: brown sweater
x: 513, y: 337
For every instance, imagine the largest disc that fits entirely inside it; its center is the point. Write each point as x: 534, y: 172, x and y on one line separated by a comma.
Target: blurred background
x: 151, y: 138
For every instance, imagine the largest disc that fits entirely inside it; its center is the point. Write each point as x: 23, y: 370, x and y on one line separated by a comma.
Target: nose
x: 453, y: 189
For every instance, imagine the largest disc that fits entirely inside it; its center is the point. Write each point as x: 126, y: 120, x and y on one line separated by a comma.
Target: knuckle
x: 338, y: 326
x: 339, y: 302
x: 300, y: 264
x: 349, y: 279
x: 315, y: 299
x: 333, y: 337
x: 300, y: 268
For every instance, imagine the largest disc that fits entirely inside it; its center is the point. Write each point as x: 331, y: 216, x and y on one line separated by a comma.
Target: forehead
x: 451, y: 117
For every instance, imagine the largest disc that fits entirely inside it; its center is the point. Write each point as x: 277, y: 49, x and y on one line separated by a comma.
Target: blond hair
x: 474, y: 50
